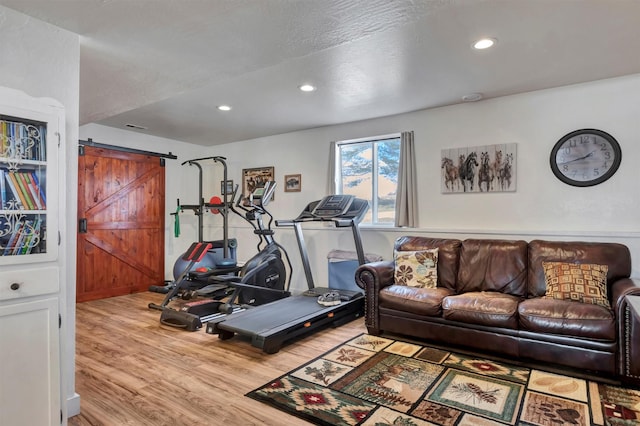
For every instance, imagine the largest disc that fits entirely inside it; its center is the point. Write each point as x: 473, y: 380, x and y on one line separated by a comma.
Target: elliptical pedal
x: 180, y: 319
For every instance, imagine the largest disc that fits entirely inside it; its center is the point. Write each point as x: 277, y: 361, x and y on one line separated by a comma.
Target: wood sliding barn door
x: 121, y: 223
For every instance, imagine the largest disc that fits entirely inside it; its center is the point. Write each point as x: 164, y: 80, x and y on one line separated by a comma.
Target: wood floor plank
x: 131, y: 370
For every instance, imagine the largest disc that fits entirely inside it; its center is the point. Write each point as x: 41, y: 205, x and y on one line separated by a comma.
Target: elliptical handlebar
x: 251, y: 208
x: 263, y: 193
x: 269, y: 189
x: 253, y: 211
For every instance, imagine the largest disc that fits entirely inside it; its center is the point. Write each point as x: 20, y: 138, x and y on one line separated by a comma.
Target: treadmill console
x: 333, y: 206
x: 257, y: 193
x: 342, y: 210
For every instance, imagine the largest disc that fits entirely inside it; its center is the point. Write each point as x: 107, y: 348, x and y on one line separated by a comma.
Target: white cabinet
x: 29, y: 363
x: 31, y: 130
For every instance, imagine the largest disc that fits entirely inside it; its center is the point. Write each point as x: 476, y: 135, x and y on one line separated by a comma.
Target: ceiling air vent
x: 135, y: 126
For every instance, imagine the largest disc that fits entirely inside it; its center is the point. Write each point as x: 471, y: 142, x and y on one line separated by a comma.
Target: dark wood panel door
x: 121, y: 223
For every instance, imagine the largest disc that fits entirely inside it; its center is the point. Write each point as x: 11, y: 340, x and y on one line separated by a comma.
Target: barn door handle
x: 82, y: 226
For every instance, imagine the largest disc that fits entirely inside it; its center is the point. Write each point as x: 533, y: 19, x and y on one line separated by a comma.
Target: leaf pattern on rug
x: 351, y: 355
x: 371, y: 342
x: 386, y: 396
x: 471, y: 391
x: 324, y: 373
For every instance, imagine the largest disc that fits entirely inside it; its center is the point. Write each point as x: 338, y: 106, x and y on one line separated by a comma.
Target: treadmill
x: 273, y: 324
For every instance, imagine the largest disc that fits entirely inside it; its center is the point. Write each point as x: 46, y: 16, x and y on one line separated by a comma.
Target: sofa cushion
x: 416, y: 268
x: 448, y: 255
x: 580, y: 320
x: 487, y: 308
x: 493, y: 265
x: 616, y: 256
x: 578, y: 282
x: 421, y: 301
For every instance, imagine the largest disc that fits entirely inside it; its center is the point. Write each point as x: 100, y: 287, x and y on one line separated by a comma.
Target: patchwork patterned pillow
x: 584, y: 283
x: 416, y: 268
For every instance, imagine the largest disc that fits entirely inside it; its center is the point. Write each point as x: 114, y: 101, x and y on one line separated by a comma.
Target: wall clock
x: 585, y: 157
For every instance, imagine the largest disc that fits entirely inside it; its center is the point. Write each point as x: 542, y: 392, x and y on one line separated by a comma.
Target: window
x: 368, y: 169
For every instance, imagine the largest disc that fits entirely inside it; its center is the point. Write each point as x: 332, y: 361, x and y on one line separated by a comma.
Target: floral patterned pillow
x: 416, y: 268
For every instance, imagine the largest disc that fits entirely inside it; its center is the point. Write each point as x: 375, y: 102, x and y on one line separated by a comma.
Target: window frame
x: 374, y: 178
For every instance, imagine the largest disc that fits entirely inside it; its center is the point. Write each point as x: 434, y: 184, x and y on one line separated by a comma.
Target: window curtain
x: 407, y: 193
x: 331, y: 179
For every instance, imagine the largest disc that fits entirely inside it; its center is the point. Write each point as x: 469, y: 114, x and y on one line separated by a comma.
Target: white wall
x: 541, y: 207
x: 43, y: 61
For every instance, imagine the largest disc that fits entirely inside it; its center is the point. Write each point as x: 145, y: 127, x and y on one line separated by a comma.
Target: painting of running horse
x: 489, y: 168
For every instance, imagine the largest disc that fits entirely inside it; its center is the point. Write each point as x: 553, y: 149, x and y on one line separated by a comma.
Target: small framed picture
x: 228, y: 189
x: 292, y: 183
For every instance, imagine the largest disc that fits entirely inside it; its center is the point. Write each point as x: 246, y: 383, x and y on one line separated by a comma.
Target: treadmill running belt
x: 273, y: 324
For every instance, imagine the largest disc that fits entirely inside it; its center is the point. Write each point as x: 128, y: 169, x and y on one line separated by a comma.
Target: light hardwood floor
x: 130, y: 370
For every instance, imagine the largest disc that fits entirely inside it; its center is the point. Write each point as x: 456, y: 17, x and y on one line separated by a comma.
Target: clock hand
x: 580, y: 158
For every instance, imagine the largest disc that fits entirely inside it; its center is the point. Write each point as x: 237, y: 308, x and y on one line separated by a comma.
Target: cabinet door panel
x: 29, y: 360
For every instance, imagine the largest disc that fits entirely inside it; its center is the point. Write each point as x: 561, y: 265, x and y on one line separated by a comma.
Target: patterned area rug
x: 372, y: 380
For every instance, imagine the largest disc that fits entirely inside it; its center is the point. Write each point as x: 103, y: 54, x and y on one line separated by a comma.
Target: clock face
x: 585, y: 157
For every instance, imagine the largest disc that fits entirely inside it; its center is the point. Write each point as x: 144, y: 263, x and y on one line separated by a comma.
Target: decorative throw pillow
x: 585, y: 283
x: 416, y: 268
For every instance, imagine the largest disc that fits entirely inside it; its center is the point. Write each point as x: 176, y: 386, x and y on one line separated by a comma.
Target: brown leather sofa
x: 489, y: 297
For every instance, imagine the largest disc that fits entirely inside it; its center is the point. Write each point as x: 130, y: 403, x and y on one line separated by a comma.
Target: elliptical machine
x: 263, y: 278
x: 260, y: 280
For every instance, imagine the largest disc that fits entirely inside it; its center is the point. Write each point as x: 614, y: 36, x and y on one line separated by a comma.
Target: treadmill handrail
x: 347, y: 220
x: 285, y: 222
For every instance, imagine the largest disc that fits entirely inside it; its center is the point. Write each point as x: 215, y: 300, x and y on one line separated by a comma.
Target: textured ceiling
x: 167, y: 64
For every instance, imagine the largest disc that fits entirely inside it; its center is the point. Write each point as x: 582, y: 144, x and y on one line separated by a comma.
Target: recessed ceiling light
x: 307, y: 88
x: 224, y: 108
x: 484, y: 43
x: 472, y: 97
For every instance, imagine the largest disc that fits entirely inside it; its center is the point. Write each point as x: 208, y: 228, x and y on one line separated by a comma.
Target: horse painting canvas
x: 489, y: 168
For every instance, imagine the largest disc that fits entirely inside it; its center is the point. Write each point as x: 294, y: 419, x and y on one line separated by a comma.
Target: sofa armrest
x: 373, y: 277
x: 620, y: 289
x: 628, y: 328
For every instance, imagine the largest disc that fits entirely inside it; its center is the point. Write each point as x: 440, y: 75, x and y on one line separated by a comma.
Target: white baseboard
x: 73, y: 405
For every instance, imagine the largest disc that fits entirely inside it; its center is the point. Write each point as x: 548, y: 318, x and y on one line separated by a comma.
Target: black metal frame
x: 90, y: 142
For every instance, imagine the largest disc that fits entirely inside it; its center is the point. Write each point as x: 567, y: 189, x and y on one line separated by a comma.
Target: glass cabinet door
x: 28, y: 183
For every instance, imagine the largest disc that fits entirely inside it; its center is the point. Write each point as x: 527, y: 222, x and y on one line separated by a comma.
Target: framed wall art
x: 292, y: 183
x: 228, y: 189
x: 488, y: 168
x: 255, y: 178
